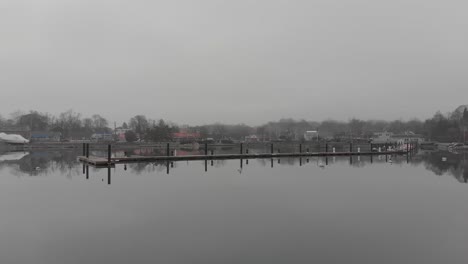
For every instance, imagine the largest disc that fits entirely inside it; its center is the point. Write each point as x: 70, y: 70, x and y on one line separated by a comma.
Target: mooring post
x: 84, y: 149
x: 326, y: 147
x: 271, y: 148
x: 370, y: 147
x: 300, y: 148
x: 206, y: 149
x: 241, y: 148
x: 167, y: 149
x: 109, y: 154
x: 247, y: 151
x: 109, y: 174
x: 87, y: 150
x: 351, y: 147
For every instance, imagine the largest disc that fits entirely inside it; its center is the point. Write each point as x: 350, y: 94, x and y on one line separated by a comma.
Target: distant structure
x: 120, y: 134
x: 184, y: 136
x: 102, y: 137
x: 252, y: 139
x: 311, y: 135
x: 44, y: 136
x: 391, y: 138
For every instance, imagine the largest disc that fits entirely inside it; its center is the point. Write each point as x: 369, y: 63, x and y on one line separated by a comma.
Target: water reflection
x: 37, y: 163
x: 41, y: 162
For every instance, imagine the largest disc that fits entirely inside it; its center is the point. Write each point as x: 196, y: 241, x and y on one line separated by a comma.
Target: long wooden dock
x: 102, y: 161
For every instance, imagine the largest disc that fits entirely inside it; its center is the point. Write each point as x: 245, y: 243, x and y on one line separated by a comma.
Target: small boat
x: 13, y: 139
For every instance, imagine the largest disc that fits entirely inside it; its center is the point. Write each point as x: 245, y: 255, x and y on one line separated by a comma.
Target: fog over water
x: 235, y: 61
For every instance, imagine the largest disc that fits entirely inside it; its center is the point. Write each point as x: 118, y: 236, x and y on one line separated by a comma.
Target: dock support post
x: 109, y: 154
x: 351, y: 147
x: 206, y: 149
x: 271, y: 148
x: 109, y: 175
x: 326, y: 147
x: 87, y: 150
x: 167, y: 149
x: 300, y: 148
x: 241, y: 148
x: 84, y: 149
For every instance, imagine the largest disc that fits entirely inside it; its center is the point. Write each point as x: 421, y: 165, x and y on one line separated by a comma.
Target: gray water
x: 344, y: 212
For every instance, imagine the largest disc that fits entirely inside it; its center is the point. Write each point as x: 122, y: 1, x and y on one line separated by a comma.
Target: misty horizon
x: 18, y: 113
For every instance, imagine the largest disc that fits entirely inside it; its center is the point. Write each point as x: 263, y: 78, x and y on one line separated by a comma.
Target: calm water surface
x: 363, y: 212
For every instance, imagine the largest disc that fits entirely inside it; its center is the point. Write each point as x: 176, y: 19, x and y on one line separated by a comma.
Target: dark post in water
x: 109, y: 154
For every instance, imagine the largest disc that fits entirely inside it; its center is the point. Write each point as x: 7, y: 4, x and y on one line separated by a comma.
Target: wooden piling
x: 109, y: 175
x: 109, y: 154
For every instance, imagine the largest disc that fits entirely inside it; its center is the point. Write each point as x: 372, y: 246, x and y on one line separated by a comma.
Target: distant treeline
x: 445, y: 128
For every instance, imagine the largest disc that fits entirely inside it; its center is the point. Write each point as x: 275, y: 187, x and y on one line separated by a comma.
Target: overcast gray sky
x: 234, y: 61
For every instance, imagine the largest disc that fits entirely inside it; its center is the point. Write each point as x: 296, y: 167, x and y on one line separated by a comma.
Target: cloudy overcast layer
x: 234, y: 61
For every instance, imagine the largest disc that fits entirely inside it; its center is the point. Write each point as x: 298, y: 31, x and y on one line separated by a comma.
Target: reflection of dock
x: 101, y: 161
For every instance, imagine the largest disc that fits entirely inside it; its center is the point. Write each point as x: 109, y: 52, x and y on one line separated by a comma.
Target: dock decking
x: 102, y: 161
